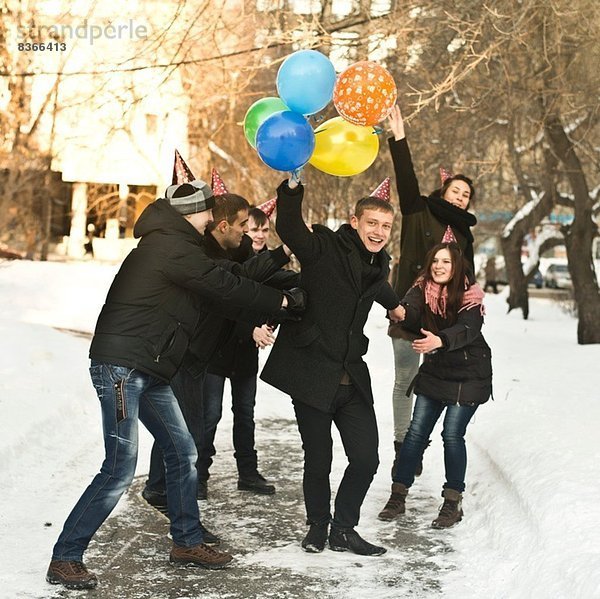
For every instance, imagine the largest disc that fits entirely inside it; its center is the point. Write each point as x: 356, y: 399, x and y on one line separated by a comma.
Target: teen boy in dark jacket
x: 318, y: 361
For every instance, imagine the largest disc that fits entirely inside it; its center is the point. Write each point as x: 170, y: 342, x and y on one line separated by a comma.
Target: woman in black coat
x: 426, y: 220
x: 445, y: 309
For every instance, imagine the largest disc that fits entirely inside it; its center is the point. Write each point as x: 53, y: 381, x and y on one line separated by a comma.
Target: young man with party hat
x: 222, y: 237
x: 142, y: 335
x: 319, y: 361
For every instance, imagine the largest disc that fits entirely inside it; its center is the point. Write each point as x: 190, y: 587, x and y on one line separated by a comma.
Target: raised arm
x: 406, y: 180
x: 290, y: 225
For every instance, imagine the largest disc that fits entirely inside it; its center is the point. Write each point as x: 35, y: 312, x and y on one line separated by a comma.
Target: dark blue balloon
x: 285, y: 141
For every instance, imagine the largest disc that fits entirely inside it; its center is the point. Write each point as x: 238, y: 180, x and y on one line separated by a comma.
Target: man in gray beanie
x: 150, y: 314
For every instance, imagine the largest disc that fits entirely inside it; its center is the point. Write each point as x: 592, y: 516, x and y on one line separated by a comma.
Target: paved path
x: 130, y: 552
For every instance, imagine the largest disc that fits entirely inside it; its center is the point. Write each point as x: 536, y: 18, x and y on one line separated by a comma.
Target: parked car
x: 537, y: 280
x: 558, y: 277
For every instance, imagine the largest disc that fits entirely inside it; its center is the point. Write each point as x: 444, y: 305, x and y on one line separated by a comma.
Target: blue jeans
x: 125, y: 395
x: 243, y: 396
x: 188, y: 390
x: 426, y: 414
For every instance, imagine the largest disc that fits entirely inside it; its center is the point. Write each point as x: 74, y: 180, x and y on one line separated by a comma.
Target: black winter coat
x: 237, y: 354
x: 309, y: 357
x: 424, y: 220
x: 217, y: 322
x: 460, y: 371
x: 152, y: 309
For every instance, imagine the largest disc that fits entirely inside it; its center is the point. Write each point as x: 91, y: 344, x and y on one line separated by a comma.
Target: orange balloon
x: 365, y: 93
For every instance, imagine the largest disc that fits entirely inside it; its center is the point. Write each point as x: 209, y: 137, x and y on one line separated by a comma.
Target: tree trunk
x: 518, y: 296
x: 579, y: 235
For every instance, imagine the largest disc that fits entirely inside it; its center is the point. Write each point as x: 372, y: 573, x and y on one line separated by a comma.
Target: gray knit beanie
x: 188, y: 198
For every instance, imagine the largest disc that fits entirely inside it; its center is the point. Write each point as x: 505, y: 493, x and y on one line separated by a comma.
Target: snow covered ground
x: 532, y: 503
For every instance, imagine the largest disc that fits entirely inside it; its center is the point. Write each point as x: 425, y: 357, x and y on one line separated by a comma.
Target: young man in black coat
x: 213, y: 330
x: 142, y: 334
x: 236, y: 358
x: 318, y: 361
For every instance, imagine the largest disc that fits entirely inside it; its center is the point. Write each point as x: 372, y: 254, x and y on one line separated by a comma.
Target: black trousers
x: 188, y: 391
x: 355, y: 420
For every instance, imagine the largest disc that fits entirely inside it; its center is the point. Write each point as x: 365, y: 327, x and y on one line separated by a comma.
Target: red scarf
x: 436, y: 296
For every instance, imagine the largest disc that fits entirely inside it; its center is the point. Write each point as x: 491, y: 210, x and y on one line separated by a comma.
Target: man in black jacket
x: 143, y: 331
x: 318, y: 361
x: 237, y: 358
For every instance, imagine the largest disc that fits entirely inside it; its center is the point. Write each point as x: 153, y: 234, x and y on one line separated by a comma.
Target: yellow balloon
x: 344, y: 149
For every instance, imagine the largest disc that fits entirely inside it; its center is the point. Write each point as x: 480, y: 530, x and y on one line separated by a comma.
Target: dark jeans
x: 188, y: 391
x: 355, y: 420
x: 426, y: 414
x: 127, y: 395
x: 243, y: 399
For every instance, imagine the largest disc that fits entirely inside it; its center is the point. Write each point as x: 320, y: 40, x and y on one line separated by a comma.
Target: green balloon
x: 258, y: 113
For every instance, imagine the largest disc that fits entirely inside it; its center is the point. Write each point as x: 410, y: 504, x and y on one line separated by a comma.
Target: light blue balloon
x: 305, y: 81
x: 285, y: 141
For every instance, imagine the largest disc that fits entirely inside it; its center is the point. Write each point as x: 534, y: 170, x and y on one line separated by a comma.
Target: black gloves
x: 296, y: 297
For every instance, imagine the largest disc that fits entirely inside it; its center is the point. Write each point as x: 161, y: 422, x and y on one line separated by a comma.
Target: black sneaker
x: 314, y: 541
x: 209, y: 538
x: 202, y: 489
x: 71, y: 574
x: 256, y: 483
x: 157, y: 500
x: 347, y: 539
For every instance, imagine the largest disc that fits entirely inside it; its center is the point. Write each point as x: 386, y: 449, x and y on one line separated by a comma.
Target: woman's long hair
x: 455, y: 286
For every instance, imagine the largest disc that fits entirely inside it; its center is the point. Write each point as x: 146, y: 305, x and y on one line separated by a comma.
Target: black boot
x: 347, y: 539
x: 209, y: 538
x: 314, y: 541
x: 256, y: 483
x: 159, y: 502
x: 419, y: 468
x: 202, y: 489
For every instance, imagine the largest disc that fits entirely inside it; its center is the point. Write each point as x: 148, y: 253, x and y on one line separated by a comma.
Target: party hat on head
x: 268, y: 207
x: 181, y: 171
x: 448, y: 236
x: 217, y: 184
x: 445, y: 174
x: 383, y: 190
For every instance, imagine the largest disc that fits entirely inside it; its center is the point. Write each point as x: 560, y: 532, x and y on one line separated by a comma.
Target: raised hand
x: 396, y: 124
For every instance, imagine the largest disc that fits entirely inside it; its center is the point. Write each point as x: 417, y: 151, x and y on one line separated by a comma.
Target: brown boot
x: 71, y: 574
x: 451, y: 511
x: 396, y: 503
x: 199, y: 555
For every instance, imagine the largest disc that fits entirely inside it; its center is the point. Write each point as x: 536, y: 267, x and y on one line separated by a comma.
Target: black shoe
x: 255, y: 483
x: 209, y: 538
x: 314, y: 541
x: 202, y: 489
x: 347, y: 539
x: 157, y: 500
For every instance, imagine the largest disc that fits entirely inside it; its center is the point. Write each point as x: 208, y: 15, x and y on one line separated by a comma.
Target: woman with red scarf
x: 445, y: 311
